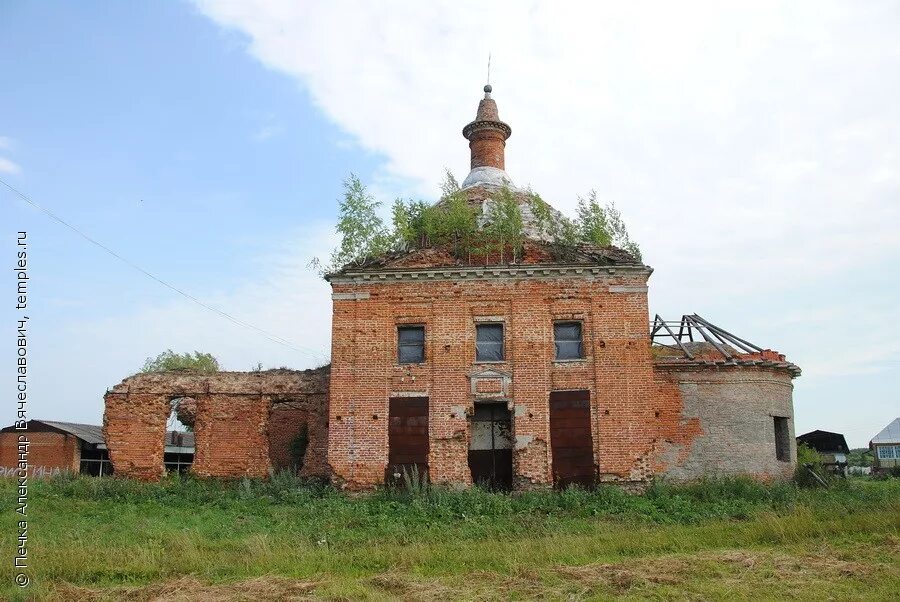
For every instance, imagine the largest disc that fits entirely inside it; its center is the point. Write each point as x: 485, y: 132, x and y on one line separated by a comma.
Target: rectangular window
x: 782, y: 439
x: 567, y: 336
x: 885, y: 452
x: 410, y: 344
x: 489, y: 343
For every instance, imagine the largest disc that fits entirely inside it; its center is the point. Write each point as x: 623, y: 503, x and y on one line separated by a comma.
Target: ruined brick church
x: 541, y: 372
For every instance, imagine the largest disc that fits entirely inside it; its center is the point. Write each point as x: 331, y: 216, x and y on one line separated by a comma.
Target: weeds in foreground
x: 102, y: 532
x: 414, y: 500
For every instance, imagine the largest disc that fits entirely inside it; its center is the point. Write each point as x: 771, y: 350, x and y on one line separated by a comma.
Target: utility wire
x: 271, y: 337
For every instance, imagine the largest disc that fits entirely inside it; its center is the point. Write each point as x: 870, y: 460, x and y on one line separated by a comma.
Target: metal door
x: 570, y: 439
x: 407, y: 439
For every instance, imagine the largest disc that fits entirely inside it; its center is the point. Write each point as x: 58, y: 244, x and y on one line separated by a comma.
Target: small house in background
x: 57, y: 447
x: 832, y: 447
x: 885, y: 448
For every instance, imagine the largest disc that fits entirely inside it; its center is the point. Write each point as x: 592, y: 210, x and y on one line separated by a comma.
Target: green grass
x: 108, y: 538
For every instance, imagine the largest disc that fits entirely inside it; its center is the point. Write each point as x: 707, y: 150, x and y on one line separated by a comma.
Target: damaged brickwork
x: 616, y: 371
x: 244, y: 422
x: 726, y: 424
x: 644, y: 416
x: 618, y: 411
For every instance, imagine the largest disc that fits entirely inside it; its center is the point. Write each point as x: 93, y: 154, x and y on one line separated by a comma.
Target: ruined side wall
x: 617, y: 371
x: 734, y: 409
x: 285, y: 424
x: 134, y: 426
x: 287, y: 419
x: 232, y: 420
x: 231, y: 436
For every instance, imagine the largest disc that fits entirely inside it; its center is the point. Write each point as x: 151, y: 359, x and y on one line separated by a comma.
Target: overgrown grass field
x: 185, y: 539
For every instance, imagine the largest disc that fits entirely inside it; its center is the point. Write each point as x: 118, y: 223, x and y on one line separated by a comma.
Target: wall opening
x: 571, y: 444
x: 407, y: 440
x: 95, y: 462
x: 288, y: 435
x: 491, y: 446
x: 782, y: 439
x: 178, y: 454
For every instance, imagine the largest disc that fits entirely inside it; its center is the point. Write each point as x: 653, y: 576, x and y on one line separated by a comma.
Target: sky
x: 753, y: 149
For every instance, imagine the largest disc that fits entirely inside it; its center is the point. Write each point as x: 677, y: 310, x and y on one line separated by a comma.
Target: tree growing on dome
x: 603, y: 225
x: 493, y: 230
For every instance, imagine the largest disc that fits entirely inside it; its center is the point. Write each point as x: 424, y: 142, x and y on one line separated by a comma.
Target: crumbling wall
x: 231, y: 413
x: 726, y: 422
x: 290, y: 416
x: 286, y: 424
x: 617, y: 368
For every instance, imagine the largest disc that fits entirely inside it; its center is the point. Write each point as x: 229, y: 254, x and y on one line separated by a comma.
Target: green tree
x: 593, y: 226
x: 168, y: 361
x: 860, y: 456
x: 603, y: 225
x: 619, y: 233
x: 453, y: 224
x: 552, y: 226
x: 459, y: 223
x: 505, y: 227
x: 401, y: 219
x: 362, y: 232
x: 449, y: 185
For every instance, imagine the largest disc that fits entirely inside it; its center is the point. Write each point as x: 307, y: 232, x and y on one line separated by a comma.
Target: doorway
x: 570, y: 439
x: 407, y: 441
x: 490, y: 450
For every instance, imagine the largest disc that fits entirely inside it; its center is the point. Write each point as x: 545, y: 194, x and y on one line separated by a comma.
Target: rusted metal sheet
x: 407, y: 438
x: 490, y: 450
x: 570, y: 439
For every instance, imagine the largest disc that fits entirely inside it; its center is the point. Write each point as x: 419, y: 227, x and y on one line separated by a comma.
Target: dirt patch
x: 673, y: 570
x: 187, y: 589
x: 621, y: 576
x: 399, y: 586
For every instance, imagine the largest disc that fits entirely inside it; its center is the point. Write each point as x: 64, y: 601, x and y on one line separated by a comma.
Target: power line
x: 271, y: 337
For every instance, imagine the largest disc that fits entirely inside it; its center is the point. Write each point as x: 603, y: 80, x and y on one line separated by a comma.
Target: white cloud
x: 750, y: 135
x: 7, y: 166
x: 753, y: 147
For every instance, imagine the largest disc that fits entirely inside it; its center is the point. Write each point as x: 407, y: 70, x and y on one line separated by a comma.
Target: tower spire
x: 487, y: 134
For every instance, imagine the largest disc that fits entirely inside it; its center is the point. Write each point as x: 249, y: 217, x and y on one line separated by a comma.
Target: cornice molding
x: 508, y: 272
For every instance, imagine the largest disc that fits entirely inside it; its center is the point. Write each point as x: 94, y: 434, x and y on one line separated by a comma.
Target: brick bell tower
x: 521, y: 374
x: 487, y: 135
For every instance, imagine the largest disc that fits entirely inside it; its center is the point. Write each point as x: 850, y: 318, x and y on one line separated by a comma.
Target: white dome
x: 487, y: 176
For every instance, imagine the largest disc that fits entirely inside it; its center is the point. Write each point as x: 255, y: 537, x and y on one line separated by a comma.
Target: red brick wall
x: 230, y: 436
x: 232, y: 425
x: 285, y: 423
x: 134, y: 426
x: 487, y: 149
x: 618, y: 371
x: 46, y: 450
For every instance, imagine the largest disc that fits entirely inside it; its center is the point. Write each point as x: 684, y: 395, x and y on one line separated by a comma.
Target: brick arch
x: 233, y: 412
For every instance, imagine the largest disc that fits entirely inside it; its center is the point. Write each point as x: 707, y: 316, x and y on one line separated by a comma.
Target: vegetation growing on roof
x: 169, y: 361
x: 362, y: 232
x: 495, y: 233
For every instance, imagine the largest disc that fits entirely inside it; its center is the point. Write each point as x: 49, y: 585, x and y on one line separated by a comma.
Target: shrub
x: 298, y: 447
x: 809, y: 466
x: 168, y: 361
